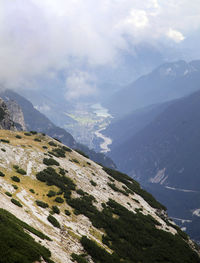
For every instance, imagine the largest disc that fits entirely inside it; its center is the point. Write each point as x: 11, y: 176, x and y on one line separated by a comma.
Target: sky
x: 45, y: 37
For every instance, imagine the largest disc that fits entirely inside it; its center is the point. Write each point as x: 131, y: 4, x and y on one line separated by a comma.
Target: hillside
x: 77, y: 209
x: 166, y: 153
x: 120, y: 130
x: 167, y: 82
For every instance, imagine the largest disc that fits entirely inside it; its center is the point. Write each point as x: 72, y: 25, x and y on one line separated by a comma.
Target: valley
x: 89, y: 121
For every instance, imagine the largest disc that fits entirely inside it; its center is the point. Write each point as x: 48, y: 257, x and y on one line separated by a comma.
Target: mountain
x: 6, y: 121
x: 58, y: 206
x: 164, y: 156
x: 120, y: 130
x: 167, y: 82
x: 32, y: 119
x: 16, y: 114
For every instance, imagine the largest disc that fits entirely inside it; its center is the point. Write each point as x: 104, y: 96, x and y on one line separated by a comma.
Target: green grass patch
x: 16, y: 246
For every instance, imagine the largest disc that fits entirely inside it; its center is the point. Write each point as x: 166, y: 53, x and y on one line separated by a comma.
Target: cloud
x: 79, y: 84
x: 42, y: 38
x: 43, y: 108
x: 175, y: 35
x: 137, y: 19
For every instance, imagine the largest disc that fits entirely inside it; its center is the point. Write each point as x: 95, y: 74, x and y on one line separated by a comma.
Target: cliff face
x: 5, y: 117
x: 16, y: 114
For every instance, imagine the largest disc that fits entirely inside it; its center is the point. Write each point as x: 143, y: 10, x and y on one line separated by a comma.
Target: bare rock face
x: 6, y: 121
x: 16, y: 114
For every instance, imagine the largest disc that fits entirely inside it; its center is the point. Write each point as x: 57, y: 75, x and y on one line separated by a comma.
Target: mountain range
x: 161, y: 150
x: 167, y: 82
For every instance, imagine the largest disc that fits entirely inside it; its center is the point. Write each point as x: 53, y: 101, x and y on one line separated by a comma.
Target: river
x: 106, y: 141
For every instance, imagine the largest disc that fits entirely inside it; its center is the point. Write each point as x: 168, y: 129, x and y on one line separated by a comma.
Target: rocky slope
x: 86, y: 213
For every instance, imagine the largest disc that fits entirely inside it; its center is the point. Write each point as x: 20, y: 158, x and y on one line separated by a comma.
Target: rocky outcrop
x: 16, y: 114
x: 5, y: 117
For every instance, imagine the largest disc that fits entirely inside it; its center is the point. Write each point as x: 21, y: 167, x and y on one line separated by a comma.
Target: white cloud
x: 38, y: 37
x: 79, y: 84
x: 43, y: 108
x: 137, y: 18
x: 175, y: 35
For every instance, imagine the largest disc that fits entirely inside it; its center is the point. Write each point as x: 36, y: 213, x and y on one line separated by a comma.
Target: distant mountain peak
x: 176, y: 69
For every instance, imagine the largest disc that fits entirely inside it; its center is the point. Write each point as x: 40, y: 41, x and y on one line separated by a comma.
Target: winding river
x: 106, y: 141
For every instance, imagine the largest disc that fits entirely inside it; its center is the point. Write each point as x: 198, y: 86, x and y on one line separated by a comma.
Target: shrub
x: 21, y: 171
x: 59, y: 192
x: 51, y: 177
x: 67, y: 212
x: 33, y: 132
x: 61, y: 171
x: 51, y: 143
x: 3, y: 150
x: 136, y: 200
x: 55, y: 209
x: 66, y: 149
x: 51, y: 193
x: 44, y: 147
x: 74, y: 160
x: 59, y: 200
x: 18, y: 136
x: 15, y: 186
x: 50, y: 161
x: 8, y: 194
x: 37, y: 140
x: 58, y: 152
x: 27, y: 134
x: 78, y: 258
x: 115, y: 188
x: 41, y: 204
x: 16, y: 202
x: 111, y: 179
x: 93, y: 183
x: 80, y: 192
x: 6, y: 141
x: 15, y: 179
x: 15, y: 166
x: 53, y: 221
x: 2, y: 174
x: 57, y: 139
x: 32, y: 191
